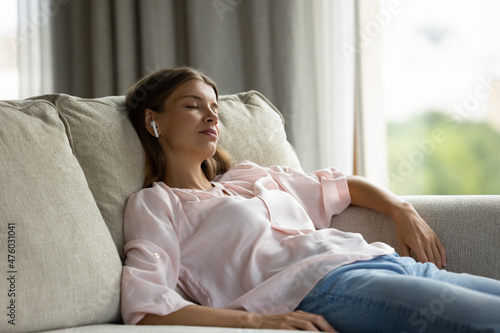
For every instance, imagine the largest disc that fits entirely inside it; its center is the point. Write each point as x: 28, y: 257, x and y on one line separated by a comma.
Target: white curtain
x: 335, y: 75
x: 34, y: 45
x: 371, y: 143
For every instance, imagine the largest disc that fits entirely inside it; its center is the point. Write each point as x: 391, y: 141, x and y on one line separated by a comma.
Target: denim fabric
x: 396, y: 294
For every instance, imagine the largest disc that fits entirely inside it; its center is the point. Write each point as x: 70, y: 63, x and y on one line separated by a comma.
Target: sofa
x: 67, y: 167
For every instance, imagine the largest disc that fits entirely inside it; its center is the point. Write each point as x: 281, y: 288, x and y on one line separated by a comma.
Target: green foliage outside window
x: 433, y: 153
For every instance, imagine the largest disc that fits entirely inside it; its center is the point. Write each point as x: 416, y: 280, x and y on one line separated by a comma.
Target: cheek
x: 184, y: 121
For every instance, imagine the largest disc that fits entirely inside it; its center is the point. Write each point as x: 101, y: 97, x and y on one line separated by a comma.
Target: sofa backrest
x: 68, y: 166
x: 111, y: 156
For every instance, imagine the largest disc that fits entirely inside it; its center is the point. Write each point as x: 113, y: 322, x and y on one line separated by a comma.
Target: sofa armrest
x: 468, y: 226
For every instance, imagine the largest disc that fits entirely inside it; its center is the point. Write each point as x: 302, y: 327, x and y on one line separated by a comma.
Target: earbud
x: 153, y: 124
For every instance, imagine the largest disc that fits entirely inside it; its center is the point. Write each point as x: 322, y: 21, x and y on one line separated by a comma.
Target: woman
x: 253, y: 245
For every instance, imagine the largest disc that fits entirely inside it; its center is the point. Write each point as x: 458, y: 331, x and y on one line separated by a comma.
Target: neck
x: 186, y: 175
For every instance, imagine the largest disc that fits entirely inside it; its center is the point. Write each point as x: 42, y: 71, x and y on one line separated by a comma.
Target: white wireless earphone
x: 153, y: 124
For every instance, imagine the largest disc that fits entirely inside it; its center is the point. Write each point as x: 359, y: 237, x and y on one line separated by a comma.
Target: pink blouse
x: 259, y: 241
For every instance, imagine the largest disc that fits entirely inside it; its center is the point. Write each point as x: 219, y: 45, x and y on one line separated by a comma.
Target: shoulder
x: 252, y: 167
x: 157, y: 194
x: 150, y: 211
x: 248, y: 173
x: 245, y: 170
x: 245, y: 165
x: 156, y: 189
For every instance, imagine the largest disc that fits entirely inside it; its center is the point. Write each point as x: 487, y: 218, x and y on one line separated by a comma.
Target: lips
x: 210, y: 132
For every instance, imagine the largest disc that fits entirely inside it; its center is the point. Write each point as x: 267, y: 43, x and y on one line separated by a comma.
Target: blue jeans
x: 396, y: 294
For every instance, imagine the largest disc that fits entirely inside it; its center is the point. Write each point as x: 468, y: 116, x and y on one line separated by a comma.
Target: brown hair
x: 151, y: 92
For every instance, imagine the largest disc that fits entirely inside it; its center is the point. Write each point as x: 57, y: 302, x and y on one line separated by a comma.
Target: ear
x: 149, y: 116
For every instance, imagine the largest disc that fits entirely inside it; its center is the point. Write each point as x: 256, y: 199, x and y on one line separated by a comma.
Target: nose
x: 212, y: 116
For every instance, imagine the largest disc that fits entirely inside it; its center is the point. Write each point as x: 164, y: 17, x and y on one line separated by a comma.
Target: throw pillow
x: 60, y: 267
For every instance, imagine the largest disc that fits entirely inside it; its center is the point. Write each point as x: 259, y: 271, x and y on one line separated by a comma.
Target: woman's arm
x: 196, y: 315
x: 413, y: 233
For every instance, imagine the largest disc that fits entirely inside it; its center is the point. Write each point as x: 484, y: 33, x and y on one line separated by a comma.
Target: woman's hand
x: 415, y: 235
x: 297, y: 320
x: 197, y: 315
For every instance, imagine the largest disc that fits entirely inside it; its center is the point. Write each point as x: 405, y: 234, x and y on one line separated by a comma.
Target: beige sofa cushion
x: 253, y: 129
x: 112, y: 158
x: 64, y: 270
x: 109, y: 152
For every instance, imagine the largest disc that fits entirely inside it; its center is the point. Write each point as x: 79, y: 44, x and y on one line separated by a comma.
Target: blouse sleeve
x: 322, y: 193
x: 152, y: 265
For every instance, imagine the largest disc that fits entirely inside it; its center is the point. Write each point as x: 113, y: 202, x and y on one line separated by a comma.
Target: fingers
x: 442, y: 252
x: 404, y: 249
x: 315, y: 322
x: 435, y: 252
x: 436, y: 257
x: 427, y: 249
x: 297, y: 320
x: 439, y: 253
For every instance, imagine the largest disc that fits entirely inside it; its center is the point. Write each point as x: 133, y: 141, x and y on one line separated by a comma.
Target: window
x: 441, y: 96
x: 9, y: 73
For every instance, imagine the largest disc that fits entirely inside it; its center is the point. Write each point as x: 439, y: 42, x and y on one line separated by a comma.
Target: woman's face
x: 189, y: 127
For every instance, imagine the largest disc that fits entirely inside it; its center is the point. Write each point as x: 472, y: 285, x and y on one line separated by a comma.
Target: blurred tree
x: 434, y: 154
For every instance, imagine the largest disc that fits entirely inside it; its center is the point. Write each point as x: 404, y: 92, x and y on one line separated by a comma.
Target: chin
x: 211, y: 154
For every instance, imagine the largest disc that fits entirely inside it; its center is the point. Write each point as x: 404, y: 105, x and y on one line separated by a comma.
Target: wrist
x: 401, y: 208
x: 253, y: 320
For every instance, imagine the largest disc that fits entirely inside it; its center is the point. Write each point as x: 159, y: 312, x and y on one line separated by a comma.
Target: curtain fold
x: 371, y: 143
x: 335, y: 74
x: 290, y: 50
